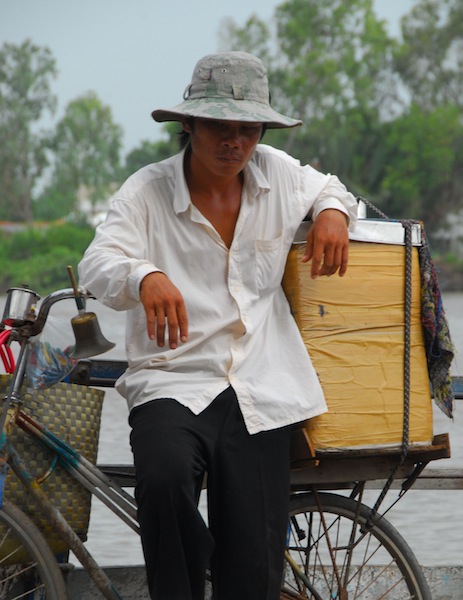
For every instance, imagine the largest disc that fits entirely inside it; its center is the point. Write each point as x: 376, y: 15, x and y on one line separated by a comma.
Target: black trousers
x: 248, y: 493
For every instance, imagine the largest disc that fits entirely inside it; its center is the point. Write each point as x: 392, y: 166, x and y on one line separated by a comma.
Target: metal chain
x: 372, y: 206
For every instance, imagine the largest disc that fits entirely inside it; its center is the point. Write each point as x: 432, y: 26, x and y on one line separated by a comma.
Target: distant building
x: 94, y: 212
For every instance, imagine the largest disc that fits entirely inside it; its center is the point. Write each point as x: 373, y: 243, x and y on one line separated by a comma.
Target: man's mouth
x: 229, y: 158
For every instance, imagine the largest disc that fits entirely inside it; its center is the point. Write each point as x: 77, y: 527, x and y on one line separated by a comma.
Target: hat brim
x: 226, y: 109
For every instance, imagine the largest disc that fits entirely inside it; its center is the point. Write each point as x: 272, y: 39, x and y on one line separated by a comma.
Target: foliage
x: 38, y: 257
x: 253, y: 37
x: 54, y: 203
x: 383, y: 114
x: 331, y: 68
x: 430, y: 58
x: 333, y: 57
x: 149, y: 152
x: 421, y: 158
x: 86, y: 149
x: 26, y: 72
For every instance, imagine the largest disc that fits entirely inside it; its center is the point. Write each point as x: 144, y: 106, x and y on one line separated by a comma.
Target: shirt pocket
x: 270, y: 262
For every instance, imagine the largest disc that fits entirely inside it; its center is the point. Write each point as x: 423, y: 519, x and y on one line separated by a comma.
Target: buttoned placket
x: 238, y: 291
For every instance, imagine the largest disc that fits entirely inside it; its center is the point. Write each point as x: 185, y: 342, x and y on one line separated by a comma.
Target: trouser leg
x: 169, y: 470
x: 248, y: 499
x: 248, y: 493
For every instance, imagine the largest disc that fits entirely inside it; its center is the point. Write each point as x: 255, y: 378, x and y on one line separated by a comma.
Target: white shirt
x: 241, y: 331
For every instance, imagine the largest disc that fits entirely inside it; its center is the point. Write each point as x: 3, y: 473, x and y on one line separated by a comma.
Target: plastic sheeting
x: 353, y: 328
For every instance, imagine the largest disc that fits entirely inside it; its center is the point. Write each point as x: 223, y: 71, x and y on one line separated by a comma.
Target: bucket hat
x: 230, y: 86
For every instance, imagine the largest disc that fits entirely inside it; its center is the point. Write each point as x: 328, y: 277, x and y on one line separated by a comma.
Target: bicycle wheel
x: 340, y: 560
x: 28, y: 568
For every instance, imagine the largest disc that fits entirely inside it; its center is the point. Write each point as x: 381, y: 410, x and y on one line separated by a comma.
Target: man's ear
x: 186, y: 124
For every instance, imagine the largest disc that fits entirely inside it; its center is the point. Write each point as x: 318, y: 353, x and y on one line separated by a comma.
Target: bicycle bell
x: 89, y: 339
x: 19, y: 307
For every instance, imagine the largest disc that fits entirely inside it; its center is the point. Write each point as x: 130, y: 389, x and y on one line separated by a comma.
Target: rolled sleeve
x: 114, y: 265
x: 136, y: 277
x: 335, y: 196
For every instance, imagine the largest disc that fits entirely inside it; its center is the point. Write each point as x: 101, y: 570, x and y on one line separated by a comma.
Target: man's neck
x: 217, y: 198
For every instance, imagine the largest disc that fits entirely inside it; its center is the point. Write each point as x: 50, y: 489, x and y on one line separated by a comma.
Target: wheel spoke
x: 342, y: 561
x: 28, y: 568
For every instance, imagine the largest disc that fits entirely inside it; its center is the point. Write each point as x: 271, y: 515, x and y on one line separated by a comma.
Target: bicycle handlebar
x: 49, y: 301
x: 35, y: 326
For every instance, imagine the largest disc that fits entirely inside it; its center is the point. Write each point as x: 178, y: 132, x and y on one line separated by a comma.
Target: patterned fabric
x: 439, y: 347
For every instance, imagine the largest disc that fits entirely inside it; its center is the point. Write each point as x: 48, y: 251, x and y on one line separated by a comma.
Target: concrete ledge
x: 130, y: 582
x: 446, y: 583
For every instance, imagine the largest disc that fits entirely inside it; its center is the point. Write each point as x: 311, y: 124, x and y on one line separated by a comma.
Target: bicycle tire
x: 28, y: 568
x: 361, y: 565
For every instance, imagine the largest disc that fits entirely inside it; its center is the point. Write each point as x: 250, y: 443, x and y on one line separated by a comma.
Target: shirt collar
x: 182, y: 199
x: 254, y: 181
x: 255, y: 178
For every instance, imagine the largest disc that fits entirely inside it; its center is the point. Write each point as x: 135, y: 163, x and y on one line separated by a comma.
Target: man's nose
x: 231, y: 136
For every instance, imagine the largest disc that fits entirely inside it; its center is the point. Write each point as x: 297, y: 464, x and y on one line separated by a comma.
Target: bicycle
x: 333, y: 538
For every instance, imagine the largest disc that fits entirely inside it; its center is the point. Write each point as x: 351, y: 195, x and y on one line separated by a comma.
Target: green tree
x: 38, y: 257
x: 332, y: 67
x: 86, y: 151
x: 430, y: 58
x: 254, y: 37
x: 426, y: 159
x: 148, y: 152
x: 384, y: 114
x: 26, y: 72
x: 333, y: 56
x: 419, y: 181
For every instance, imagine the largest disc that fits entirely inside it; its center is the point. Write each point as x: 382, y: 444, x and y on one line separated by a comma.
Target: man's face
x: 222, y: 147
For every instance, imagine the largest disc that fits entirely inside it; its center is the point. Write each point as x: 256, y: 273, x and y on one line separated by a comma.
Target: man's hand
x: 163, y: 304
x: 328, y: 244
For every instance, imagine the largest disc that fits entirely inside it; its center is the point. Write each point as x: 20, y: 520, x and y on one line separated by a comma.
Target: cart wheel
x: 338, y: 559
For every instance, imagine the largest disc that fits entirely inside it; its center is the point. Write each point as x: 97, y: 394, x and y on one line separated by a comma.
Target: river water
x: 430, y: 521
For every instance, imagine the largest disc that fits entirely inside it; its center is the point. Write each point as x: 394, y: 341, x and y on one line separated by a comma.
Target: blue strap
x: 3, y: 472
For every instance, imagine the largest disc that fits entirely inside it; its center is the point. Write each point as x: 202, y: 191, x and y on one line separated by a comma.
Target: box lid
x: 378, y: 231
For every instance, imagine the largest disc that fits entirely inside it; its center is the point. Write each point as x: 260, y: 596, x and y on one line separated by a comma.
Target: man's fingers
x: 308, y: 254
x: 165, y: 309
x: 150, y: 323
x: 160, y: 327
x: 344, y: 261
x: 182, y: 323
x: 177, y: 322
x: 327, y: 244
x: 323, y: 261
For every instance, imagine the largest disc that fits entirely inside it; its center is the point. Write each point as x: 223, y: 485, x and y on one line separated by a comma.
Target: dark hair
x: 184, y: 136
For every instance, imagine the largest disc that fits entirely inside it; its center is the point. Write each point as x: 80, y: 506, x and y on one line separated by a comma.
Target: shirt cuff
x: 332, y: 203
x: 137, y: 276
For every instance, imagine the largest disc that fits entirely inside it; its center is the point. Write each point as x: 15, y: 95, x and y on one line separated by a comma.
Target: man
x: 194, y: 248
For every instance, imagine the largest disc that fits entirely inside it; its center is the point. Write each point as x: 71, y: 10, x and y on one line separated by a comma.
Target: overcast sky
x: 136, y: 55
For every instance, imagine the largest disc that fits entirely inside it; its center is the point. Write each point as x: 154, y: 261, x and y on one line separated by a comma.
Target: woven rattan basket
x: 73, y: 413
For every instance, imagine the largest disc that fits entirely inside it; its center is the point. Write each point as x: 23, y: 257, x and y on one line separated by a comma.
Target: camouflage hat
x: 230, y: 86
